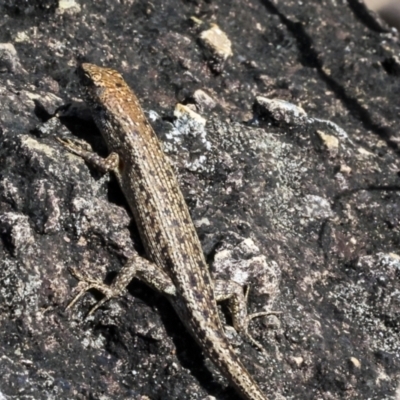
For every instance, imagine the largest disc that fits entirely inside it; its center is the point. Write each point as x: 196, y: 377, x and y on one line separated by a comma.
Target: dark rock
x: 313, y: 229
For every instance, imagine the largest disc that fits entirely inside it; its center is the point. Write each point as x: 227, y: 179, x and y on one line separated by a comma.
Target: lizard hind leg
x: 237, y: 302
x: 136, y: 267
x: 87, y: 283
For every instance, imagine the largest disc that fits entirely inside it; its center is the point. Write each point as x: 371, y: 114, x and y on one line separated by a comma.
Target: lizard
x: 175, y: 264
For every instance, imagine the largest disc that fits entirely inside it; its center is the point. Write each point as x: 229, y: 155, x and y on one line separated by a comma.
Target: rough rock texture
x: 305, y: 210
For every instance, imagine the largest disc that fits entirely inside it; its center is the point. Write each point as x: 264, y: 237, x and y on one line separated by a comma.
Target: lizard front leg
x: 109, y: 164
x: 136, y: 266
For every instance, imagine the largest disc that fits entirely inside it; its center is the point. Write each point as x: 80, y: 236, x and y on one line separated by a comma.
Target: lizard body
x: 175, y: 263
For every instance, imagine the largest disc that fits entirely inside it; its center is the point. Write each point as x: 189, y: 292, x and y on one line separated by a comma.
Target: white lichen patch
x: 188, y: 135
x: 281, y: 110
x: 16, y: 227
x: 341, y: 133
x: 316, y: 207
x: 244, y: 263
x: 9, y: 60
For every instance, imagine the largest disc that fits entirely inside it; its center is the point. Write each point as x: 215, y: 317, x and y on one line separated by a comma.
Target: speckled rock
x: 310, y: 227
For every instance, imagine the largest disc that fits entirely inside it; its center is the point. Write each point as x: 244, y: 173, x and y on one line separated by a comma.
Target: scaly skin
x: 175, y: 261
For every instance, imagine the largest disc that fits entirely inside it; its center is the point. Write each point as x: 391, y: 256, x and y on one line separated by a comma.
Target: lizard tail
x: 225, y: 358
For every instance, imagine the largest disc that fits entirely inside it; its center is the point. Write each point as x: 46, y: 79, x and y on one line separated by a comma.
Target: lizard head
x: 97, y: 80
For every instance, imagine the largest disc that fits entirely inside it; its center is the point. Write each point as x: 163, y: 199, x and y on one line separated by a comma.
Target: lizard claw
x: 87, y: 283
x: 244, y: 328
x: 75, y: 146
x: 246, y: 333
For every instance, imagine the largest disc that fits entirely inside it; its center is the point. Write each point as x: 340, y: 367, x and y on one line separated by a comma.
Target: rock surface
x: 306, y: 212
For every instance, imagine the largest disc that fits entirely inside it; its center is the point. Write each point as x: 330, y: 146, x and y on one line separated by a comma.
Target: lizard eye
x: 84, y: 77
x: 85, y: 80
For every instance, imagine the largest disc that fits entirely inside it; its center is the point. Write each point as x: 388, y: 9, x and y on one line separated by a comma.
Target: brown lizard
x: 175, y: 263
